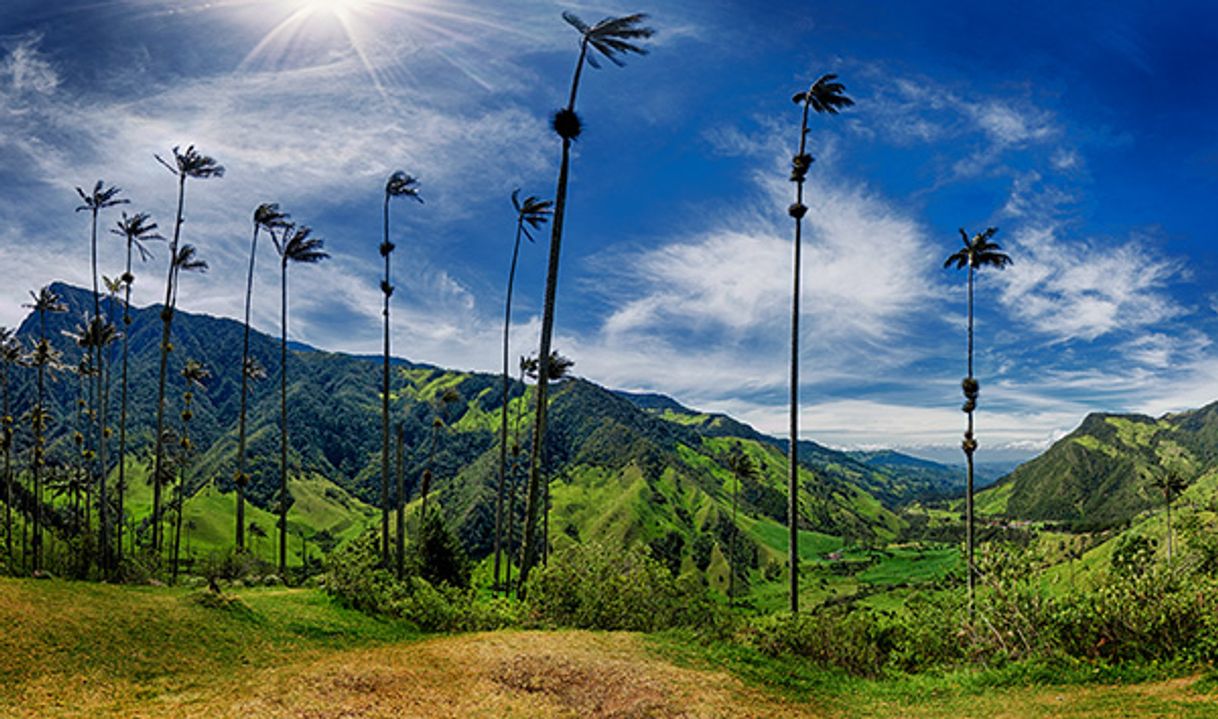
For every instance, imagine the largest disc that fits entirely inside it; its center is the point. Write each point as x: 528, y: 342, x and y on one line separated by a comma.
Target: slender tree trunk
x: 36, y: 535
x: 103, y: 539
x: 167, y: 322
x: 387, y: 290
x: 401, y: 503
x: 6, y: 433
x: 503, y: 424
x: 1169, y: 533
x: 731, y: 577
x: 283, y: 425
x: 511, y: 532
x: 122, y: 420
x: 242, y: 480
x: 793, y: 448
x: 969, y: 449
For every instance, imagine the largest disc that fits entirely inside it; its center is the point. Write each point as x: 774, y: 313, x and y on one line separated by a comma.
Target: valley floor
x: 80, y: 650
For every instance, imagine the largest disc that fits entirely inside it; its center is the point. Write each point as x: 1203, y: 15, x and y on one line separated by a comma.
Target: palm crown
x: 138, y: 229
x: 192, y: 163
x: 269, y: 217
x: 45, y: 300
x: 298, y: 246
x: 195, y: 374
x: 533, y: 212
x: 611, y: 36
x: 401, y: 184
x: 101, y: 197
x: 559, y: 366
x: 825, y: 95
x: 978, y: 252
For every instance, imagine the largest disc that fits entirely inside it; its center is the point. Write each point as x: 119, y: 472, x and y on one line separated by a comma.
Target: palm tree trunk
x: 283, y: 424
x: 167, y: 322
x: 731, y: 577
x: 245, y: 358
x: 511, y: 532
x: 969, y: 537
x: 401, y: 503
x: 122, y: 421
x: 1169, y: 547
x: 547, y: 333
x: 103, y: 543
x: 793, y: 448
x: 36, y: 536
x: 6, y: 434
x: 503, y: 425
x: 386, y: 290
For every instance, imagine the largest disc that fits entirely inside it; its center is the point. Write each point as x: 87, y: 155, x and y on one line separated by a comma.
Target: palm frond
x: 302, y: 248
x: 138, y: 229
x: 192, y: 163
x: 825, y: 95
x: 610, y: 36
x: 268, y: 216
x: 195, y: 374
x: 188, y: 259
x: 401, y: 184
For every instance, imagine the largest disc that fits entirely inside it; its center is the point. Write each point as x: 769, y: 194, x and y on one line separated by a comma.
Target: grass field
x: 88, y: 650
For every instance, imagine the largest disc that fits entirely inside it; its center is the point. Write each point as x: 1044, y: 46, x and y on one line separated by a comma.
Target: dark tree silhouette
x: 977, y: 253
x: 10, y: 355
x: 610, y: 38
x: 824, y: 96
x: 1170, y: 484
x: 557, y: 368
x: 187, y: 164
x: 533, y: 212
x: 297, y: 247
x: 46, y: 360
x: 399, y: 184
x: 195, y: 375
x: 266, y: 217
x: 742, y: 467
x: 136, y: 230
x: 101, y: 197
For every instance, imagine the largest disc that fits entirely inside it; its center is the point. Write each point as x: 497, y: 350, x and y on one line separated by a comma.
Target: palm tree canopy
x: 192, y: 163
x: 825, y: 95
x: 138, y: 229
x: 610, y: 37
x: 978, y: 252
x: 188, y: 259
x: 269, y: 217
x: 10, y: 346
x: 195, y: 374
x: 254, y: 370
x: 298, y: 246
x: 45, y: 356
x: 740, y: 464
x: 100, y: 197
x: 45, y: 300
x: 533, y: 211
x: 1170, y: 483
x: 401, y: 184
x: 93, y: 332
x: 558, y: 368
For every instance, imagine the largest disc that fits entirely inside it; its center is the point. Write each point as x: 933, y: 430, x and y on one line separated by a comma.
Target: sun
x: 337, y: 8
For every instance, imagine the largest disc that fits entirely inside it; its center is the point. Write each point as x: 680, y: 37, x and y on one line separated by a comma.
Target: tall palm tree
x: 136, y: 230
x: 46, y: 360
x: 399, y: 184
x: 1170, y: 484
x: 824, y: 96
x: 742, y: 467
x: 10, y: 355
x: 448, y: 398
x: 297, y: 247
x: 400, y: 535
x: 977, y: 253
x: 266, y: 217
x: 533, y: 212
x: 195, y: 375
x: 188, y: 164
x: 610, y: 38
x: 556, y: 369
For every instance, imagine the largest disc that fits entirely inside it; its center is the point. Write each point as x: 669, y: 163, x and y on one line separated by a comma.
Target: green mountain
x: 624, y: 467
x: 1095, y: 477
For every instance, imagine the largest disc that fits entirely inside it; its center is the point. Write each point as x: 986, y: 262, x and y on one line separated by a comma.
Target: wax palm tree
x: 10, y: 356
x: 400, y: 535
x: 611, y: 38
x: 977, y: 253
x: 188, y: 164
x: 742, y: 468
x: 137, y: 231
x: 195, y: 375
x: 296, y: 247
x: 533, y: 212
x: 824, y: 96
x: 1170, y: 484
x: 47, y: 361
x: 399, y: 184
x: 557, y: 369
x: 101, y: 197
x: 448, y: 398
x: 266, y: 217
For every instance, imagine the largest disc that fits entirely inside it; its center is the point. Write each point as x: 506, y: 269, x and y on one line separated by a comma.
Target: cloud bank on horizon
x: 1084, y: 136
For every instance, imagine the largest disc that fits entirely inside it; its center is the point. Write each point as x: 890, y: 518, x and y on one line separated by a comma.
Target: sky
x: 1085, y: 135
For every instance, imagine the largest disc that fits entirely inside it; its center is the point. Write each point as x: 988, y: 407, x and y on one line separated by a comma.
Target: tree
x: 533, y: 212
x: 267, y: 216
x: 195, y: 375
x: 977, y: 253
x: 610, y: 38
x: 824, y: 96
x: 100, y: 198
x: 1170, y: 483
x: 400, y: 535
x: 556, y: 369
x: 46, y: 360
x: 742, y: 467
x: 10, y: 356
x: 187, y: 164
x: 297, y: 247
x: 399, y: 184
x: 135, y: 230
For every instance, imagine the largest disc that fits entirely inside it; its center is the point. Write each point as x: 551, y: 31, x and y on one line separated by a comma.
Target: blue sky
x: 1086, y: 135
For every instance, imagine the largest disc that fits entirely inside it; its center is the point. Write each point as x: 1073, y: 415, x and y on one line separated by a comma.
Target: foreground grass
x: 87, y: 650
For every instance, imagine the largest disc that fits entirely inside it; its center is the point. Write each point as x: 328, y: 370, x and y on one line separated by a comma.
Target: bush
x: 591, y: 587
